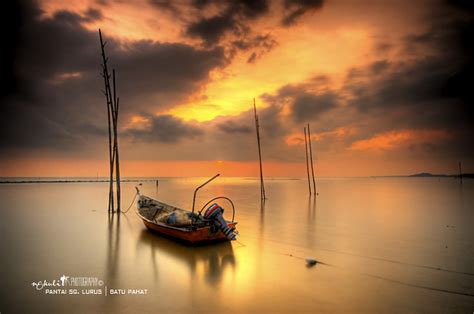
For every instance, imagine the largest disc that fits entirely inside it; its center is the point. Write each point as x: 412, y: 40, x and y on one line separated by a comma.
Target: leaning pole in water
x: 117, y: 158
x: 307, y: 161
x: 112, y: 102
x: 257, y: 127
x: 311, y: 158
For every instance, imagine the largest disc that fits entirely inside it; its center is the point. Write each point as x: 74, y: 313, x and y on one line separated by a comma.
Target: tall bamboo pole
x: 257, y: 127
x: 105, y: 74
x: 307, y: 161
x: 117, y: 159
x: 311, y: 157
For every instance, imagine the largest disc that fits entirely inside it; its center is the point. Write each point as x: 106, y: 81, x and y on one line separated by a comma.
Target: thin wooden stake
x: 460, y: 173
x: 311, y: 157
x: 307, y: 161
x: 117, y: 159
x: 257, y: 127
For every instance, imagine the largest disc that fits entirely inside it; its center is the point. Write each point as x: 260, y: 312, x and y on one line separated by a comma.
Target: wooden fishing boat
x: 187, y: 226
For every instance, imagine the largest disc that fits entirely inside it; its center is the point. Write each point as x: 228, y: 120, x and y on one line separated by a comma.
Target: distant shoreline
x: 431, y: 175
x: 73, y: 181
x: 89, y: 180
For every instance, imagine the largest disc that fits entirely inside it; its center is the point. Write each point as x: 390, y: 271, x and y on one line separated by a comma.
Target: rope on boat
x: 131, y: 204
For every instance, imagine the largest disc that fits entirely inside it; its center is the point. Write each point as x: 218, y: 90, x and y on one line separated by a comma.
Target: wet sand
x: 385, y: 245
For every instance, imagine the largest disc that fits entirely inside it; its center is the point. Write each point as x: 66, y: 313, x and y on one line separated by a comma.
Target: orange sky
x: 302, y: 52
x: 330, y: 42
x: 84, y: 168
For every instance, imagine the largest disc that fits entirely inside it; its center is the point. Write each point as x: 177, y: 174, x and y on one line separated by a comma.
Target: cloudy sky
x: 386, y: 86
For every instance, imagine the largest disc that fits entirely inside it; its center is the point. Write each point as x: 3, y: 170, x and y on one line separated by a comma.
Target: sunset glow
x: 374, y: 81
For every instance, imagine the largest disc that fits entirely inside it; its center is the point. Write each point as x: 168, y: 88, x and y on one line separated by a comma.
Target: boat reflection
x: 213, y: 261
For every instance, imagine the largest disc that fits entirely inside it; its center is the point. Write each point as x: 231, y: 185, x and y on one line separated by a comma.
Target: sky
x: 384, y: 85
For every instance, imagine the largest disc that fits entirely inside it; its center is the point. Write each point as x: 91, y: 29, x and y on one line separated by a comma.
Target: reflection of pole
x: 257, y: 126
x: 307, y: 162
x: 460, y: 173
x: 311, y: 157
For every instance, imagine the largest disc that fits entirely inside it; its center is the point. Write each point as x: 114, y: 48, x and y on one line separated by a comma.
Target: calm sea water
x: 396, y: 245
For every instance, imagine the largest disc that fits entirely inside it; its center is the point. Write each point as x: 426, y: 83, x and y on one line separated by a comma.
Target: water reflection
x: 113, y: 247
x: 461, y: 197
x: 386, y: 235
x: 262, y: 217
x: 311, y: 221
x: 211, y: 261
x: 311, y: 210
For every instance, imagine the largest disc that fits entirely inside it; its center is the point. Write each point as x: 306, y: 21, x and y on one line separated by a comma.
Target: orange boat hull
x: 200, y: 235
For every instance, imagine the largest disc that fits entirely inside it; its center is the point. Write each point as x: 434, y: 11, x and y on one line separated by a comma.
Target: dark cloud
x: 231, y: 27
x: 254, y: 8
x: 200, y: 4
x: 297, y: 8
x: 375, y: 68
x: 102, y: 2
x: 427, y: 91
x: 461, y: 49
x: 10, y: 29
x: 233, y: 127
x: 461, y: 4
x: 166, y: 129
x: 54, y: 98
x: 245, y: 8
x: 320, y: 79
x: 93, y: 15
x: 252, y: 57
x: 424, y: 92
x: 233, y: 18
x: 261, y: 44
x: 235, y: 137
x: 413, y: 83
x: 436, y: 87
x: 379, y: 66
x: 383, y: 47
x: 305, y: 101
x: 408, y: 97
x: 265, y: 42
x: 273, y: 124
x: 212, y: 29
x: 309, y: 106
x: 422, y: 38
x: 163, y: 70
x: 166, y: 5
